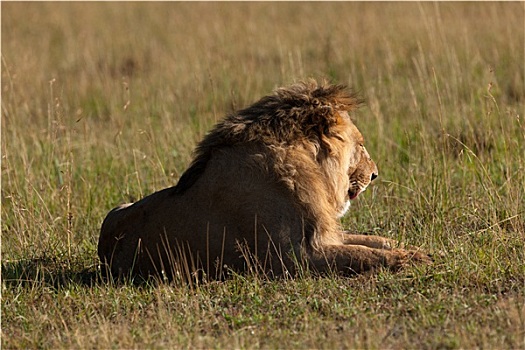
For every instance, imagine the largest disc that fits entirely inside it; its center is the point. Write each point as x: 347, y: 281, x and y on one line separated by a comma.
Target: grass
x: 103, y: 103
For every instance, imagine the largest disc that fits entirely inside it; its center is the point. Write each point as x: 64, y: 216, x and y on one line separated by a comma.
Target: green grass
x: 103, y: 103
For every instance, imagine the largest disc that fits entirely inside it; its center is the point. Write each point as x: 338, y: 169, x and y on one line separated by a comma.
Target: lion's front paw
x: 404, y: 258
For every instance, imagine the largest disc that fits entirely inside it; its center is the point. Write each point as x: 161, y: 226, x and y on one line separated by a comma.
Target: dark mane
x: 301, y: 111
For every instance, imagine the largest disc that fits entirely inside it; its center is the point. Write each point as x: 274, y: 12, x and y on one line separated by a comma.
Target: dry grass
x: 103, y: 102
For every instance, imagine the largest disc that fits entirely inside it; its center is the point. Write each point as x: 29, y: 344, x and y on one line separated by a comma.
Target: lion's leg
x: 369, y: 241
x: 359, y: 258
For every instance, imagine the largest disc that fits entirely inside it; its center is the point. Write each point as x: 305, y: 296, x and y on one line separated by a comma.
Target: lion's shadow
x: 50, y: 272
x: 56, y: 273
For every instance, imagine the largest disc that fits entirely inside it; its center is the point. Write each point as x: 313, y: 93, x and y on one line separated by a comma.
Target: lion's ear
x: 340, y: 117
x: 332, y: 123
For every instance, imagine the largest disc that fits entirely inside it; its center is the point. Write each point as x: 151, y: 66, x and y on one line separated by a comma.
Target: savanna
x: 103, y: 103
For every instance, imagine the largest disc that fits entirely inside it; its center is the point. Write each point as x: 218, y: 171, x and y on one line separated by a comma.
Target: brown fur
x: 265, y: 188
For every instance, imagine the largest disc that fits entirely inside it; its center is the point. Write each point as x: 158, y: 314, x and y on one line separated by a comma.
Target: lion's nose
x: 373, y: 176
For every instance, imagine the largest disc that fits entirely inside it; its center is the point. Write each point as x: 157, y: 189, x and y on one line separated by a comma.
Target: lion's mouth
x: 352, y: 194
x: 355, y: 190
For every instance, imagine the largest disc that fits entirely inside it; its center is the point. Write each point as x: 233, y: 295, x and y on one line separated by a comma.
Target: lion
x: 265, y: 190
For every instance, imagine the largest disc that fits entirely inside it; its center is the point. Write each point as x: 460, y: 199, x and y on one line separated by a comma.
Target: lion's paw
x: 410, y: 257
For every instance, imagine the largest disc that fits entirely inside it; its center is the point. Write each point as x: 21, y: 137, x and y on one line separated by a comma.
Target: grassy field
x: 102, y: 103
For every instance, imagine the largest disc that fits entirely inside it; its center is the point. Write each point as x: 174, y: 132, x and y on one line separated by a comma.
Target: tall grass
x: 103, y: 103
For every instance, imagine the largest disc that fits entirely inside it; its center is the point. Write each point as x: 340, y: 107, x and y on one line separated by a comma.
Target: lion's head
x: 361, y: 169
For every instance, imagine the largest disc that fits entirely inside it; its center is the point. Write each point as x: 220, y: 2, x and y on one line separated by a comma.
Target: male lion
x: 265, y: 190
